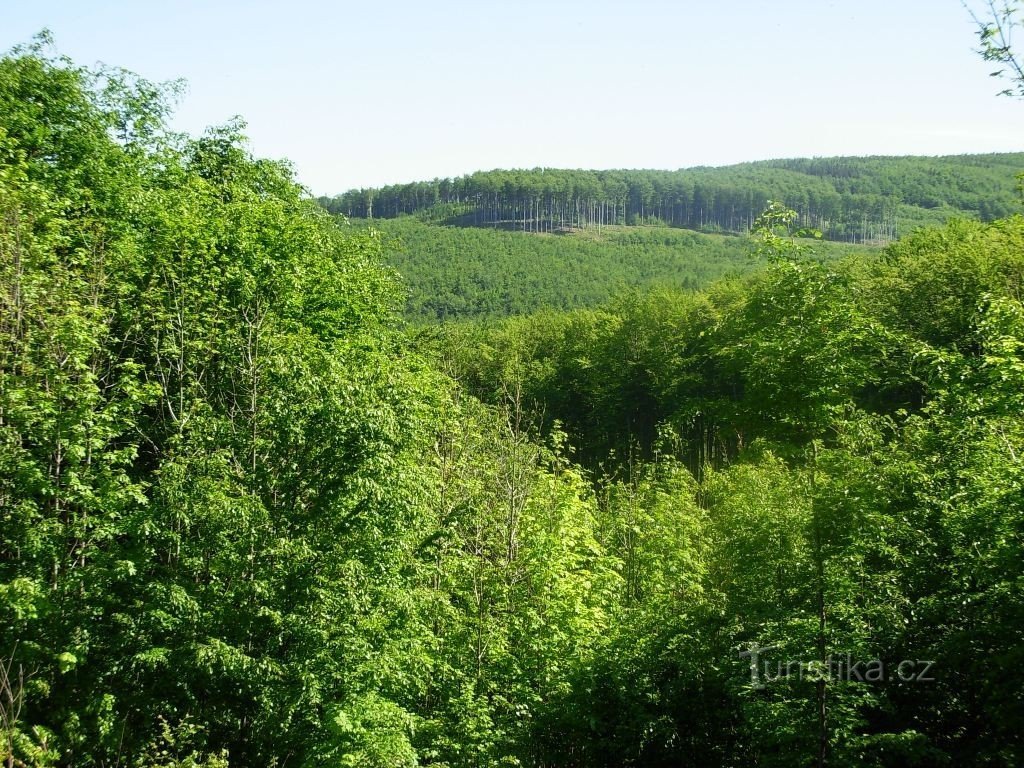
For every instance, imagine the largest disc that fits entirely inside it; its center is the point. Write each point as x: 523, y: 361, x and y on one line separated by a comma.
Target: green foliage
x: 457, y: 273
x: 855, y: 428
x: 995, y: 28
x: 207, y: 435
x: 245, y: 519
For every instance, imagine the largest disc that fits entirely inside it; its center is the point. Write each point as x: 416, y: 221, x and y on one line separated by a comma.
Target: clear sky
x: 370, y: 93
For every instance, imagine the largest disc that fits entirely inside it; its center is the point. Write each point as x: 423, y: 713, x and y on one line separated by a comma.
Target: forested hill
x: 856, y: 199
x: 471, y: 273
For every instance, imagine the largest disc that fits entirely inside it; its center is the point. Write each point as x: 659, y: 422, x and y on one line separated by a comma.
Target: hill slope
x: 462, y: 272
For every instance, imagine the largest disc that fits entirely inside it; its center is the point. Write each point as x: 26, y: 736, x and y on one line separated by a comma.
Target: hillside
x: 464, y: 272
x: 853, y: 199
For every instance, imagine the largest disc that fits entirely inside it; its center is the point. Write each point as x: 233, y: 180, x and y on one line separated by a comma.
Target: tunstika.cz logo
x: 764, y: 671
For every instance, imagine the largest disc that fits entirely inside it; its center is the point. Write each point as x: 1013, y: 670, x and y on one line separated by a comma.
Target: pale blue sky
x: 363, y: 94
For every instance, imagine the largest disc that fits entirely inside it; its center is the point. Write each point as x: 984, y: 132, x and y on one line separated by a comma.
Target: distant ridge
x: 853, y: 199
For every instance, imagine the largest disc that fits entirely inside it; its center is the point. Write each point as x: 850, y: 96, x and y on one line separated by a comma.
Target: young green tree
x: 996, y: 22
x: 208, y: 430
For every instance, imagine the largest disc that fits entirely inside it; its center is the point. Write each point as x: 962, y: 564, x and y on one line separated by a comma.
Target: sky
x: 362, y: 94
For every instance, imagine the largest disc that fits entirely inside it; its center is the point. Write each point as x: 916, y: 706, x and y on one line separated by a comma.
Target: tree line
x: 862, y: 200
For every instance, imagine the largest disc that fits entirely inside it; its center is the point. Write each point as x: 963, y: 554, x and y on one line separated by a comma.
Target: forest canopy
x: 248, y: 517
x: 459, y: 273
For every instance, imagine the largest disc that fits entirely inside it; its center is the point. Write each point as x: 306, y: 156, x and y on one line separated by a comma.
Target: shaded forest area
x: 867, y: 200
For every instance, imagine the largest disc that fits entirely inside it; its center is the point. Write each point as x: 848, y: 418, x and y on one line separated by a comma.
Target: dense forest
x: 854, y: 199
x: 249, y: 517
x: 466, y: 272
